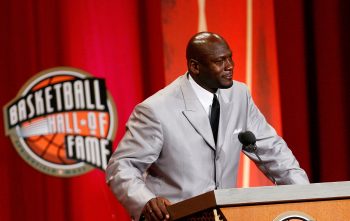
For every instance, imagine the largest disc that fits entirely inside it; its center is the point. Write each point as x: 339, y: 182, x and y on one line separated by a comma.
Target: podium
x: 318, y: 201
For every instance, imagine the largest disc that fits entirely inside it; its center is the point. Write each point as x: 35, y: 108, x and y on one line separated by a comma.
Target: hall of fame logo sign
x: 294, y: 216
x: 62, y: 122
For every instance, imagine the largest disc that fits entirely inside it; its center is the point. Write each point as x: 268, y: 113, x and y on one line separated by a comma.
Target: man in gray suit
x: 182, y: 141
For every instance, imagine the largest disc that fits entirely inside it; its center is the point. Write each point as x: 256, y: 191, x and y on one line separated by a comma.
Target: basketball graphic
x: 62, y: 122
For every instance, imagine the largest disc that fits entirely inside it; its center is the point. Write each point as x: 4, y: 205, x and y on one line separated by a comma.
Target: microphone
x: 248, y: 140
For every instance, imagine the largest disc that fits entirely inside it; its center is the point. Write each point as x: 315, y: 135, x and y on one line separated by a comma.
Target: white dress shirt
x: 204, y: 96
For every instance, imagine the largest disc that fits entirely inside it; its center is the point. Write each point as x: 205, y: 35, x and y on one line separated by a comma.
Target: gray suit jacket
x: 168, y: 149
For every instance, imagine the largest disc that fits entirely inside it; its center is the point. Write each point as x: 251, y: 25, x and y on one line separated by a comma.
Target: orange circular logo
x: 62, y: 122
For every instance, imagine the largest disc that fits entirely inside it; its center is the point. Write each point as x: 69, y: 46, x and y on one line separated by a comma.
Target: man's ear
x: 194, y: 66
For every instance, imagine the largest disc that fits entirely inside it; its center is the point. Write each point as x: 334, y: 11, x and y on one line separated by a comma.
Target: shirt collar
x: 204, y: 96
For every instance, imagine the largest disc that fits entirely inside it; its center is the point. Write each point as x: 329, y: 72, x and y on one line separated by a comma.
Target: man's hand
x: 155, y: 209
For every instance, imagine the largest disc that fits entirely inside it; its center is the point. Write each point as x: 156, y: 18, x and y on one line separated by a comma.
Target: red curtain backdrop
x: 291, y: 48
x: 300, y: 77
x: 313, y: 52
x: 100, y: 37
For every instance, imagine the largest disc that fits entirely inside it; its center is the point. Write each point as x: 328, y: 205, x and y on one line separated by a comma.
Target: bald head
x: 209, y: 61
x: 200, y: 43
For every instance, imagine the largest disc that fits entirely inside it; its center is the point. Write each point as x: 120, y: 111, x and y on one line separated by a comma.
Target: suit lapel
x: 225, y: 114
x: 195, y: 113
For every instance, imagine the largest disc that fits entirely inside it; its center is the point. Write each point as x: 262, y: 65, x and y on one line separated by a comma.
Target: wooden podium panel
x: 332, y: 210
x: 318, y: 201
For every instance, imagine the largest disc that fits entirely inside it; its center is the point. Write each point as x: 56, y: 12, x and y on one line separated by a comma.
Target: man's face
x: 215, y: 66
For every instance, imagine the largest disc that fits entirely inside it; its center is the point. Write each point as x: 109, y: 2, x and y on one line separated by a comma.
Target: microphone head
x: 247, y: 138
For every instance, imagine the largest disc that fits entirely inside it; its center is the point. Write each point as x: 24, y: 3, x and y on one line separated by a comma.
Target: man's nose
x: 229, y: 64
